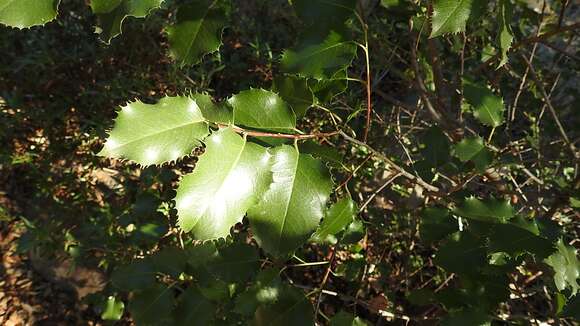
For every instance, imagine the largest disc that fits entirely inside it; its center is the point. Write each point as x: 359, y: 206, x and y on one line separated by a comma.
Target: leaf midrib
x: 193, y: 39
x: 287, y: 206
x: 460, y: 4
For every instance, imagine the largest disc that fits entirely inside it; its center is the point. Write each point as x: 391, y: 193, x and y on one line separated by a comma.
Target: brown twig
x: 279, y: 135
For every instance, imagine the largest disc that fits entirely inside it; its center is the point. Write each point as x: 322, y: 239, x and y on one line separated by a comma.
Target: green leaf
x: 217, y: 113
x: 236, y: 263
x: 319, y: 61
x: 228, y: 179
x: 292, y: 308
x: 197, y: 32
x: 468, y: 148
x: 156, y: 133
x: 137, y: 275
x: 572, y: 308
x: 265, y: 291
x: 295, y: 91
x: 27, y: 13
x: 292, y: 207
x: 324, y: 15
x: 467, y: 316
x: 437, y: 147
x: 112, y: 13
x: 170, y: 261
x: 462, y: 254
x: 436, y: 224
x: 258, y: 108
x: 515, y: 241
x: 113, y: 309
x: 337, y: 218
x: 505, y: 36
x: 193, y: 308
x: 488, y: 210
x: 488, y: 108
x: 567, y: 267
x: 152, y: 306
x: 450, y: 16
x: 347, y: 319
x: 354, y: 232
x: 325, y: 90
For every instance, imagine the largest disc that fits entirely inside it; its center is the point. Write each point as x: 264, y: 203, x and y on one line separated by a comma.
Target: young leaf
x: 292, y: 207
x: 113, y: 309
x: 488, y: 108
x: 319, y: 61
x: 196, y: 32
x: 506, y: 36
x: 450, y: 16
x: 228, y: 179
x: 258, y: 108
x: 567, y: 267
x: 193, y: 308
x: 296, y: 92
x: 292, y: 308
x: 27, y: 13
x: 112, y: 13
x: 336, y: 218
x: 489, y: 210
x: 156, y: 133
x: 152, y: 306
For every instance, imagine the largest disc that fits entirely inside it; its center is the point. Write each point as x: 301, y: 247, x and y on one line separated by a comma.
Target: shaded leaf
x: 292, y: 308
x: 437, y: 147
x: 170, y: 261
x: 436, y: 224
x: 347, y: 319
x: 468, y: 148
x: 258, y: 108
x: 450, y: 16
x: 566, y: 266
x: 156, y: 133
x: 27, y: 13
x: 467, y: 316
x: 488, y: 210
x: 319, y: 61
x: 152, y: 306
x: 336, y: 218
x: 138, y: 275
x: 193, y: 308
x: 325, y: 90
x: 515, y: 241
x: 572, y: 308
x: 292, y: 207
x: 295, y: 91
x: 265, y: 291
x: 228, y: 179
x: 462, y: 254
x: 112, y: 13
x: 196, y: 32
x: 217, y: 113
x: 236, y: 262
x: 488, y: 108
x: 354, y: 232
x: 334, y: 13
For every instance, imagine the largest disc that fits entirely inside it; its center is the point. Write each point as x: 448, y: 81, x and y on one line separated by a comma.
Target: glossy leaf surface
x: 450, y: 16
x: 27, y: 13
x: 258, y: 108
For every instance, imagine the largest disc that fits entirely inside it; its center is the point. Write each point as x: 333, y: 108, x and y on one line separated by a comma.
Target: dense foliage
x: 393, y: 161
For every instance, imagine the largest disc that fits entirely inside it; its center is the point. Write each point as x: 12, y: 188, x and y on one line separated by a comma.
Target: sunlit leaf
x: 488, y: 108
x: 113, y: 309
x: 197, y: 31
x: 450, y: 16
x: 156, y: 133
x: 228, y: 179
x: 27, y: 13
x: 488, y: 210
x: 505, y: 37
x: 290, y: 210
x: 258, y: 108
x: 566, y: 266
x: 336, y: 218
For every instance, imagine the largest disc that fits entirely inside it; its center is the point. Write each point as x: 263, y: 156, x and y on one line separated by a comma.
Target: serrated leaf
x: 236, y: 263
x: 325, y: 90
x: 467, y: 148
x: 515, y: 241
x: 196, y: 32
x: 27, y: 13
x: 505, y: 37
x: 113, y: 309
x: 292, y: 308
x: 295, y: 91
x: 566, y: 266
x: 193, y: 308
x: 156, y: 133
x: 347, y: 319
x: 112, y: 13
x: 336, y: 218
x: 212, y: 112
x: 258, y: 108
x: 463, y: 254
x: 152, y: 306
x: 319, y: 60
x: 450, y: 16
x: 488, y: 210
x: 138, y: 275
x: 228, y: 179
x: 436, y: 224
x: 488, y: 108
x: 290, y: 210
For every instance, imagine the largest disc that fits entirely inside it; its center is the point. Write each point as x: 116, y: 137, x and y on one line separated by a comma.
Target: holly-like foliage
x: 269, y: 180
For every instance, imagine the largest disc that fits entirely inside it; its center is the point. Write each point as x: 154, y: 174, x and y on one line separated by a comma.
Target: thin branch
x: 279, y: 135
